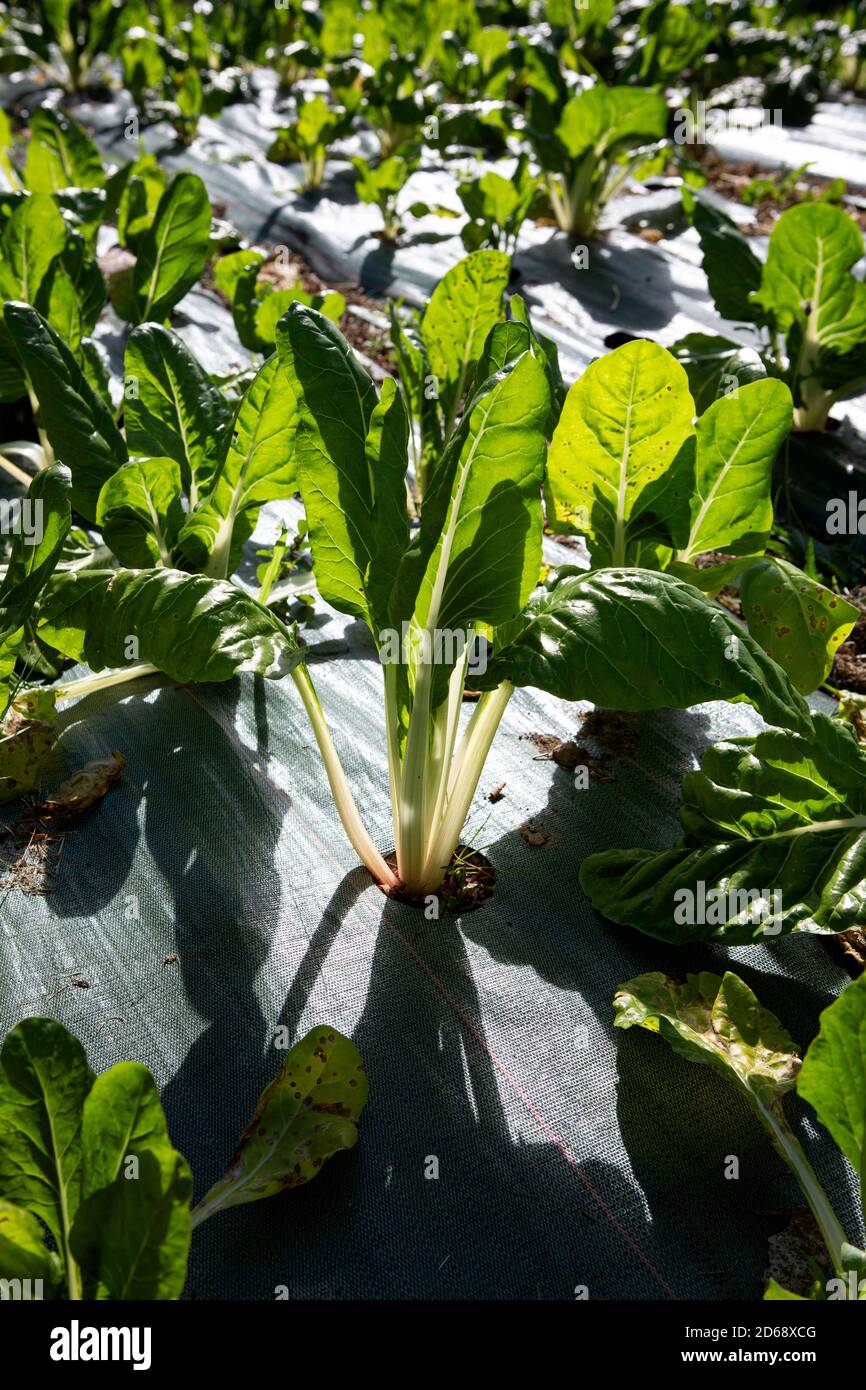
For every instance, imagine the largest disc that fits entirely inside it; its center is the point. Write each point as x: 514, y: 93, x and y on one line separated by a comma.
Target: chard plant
x: 50, y: 216
x: 437, y: 352
x: 804, y: 300
x: 451, y: 602
x: 89, y: 1161
x: 718, y: 1022
x: 306, y: 140
x: 257, y: 304
x: 82, y: 34
x: 381, y: 184
x: 393, y: 105
x: 497, y: 207
x: 605, y: 136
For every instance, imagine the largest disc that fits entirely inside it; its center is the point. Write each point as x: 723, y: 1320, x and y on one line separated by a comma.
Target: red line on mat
x: 446, y: 994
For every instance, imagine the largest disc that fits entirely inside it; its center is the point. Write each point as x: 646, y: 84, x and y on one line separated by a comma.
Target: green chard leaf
x: 807, y: 278
x: 463, y: 308
x: 634, y: 639
x: 60, y: 154
x: 602, y: 119
x: 833, y: 1079
x: 44, y: 1078
x: 139, y: 198
x: 172, y: 252
x: 31, y: 240
x: 349, y: 506
x: 31, y: 566
x: 171, y: 407
x: 132, y: 1238
x: 732, y: 269
x: 719, y: 1023
x: 798, y: 621
x: 305, y: 1116
x: 736, y: 443
x: 258, y: 466
x: 478, y: 553
x: 132, y: 1231
x: 141, y: 513
x: 545, y: 350
x: 78, y: 423
x: 90, y: 615
x: 775, y: 842
x: 23, y: 1252
x: 235, y: 276
x: 715, y: 366
x: 609, y: 467
x: 415, y: 374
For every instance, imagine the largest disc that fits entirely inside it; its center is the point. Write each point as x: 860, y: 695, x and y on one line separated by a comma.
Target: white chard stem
x: 345, y: 802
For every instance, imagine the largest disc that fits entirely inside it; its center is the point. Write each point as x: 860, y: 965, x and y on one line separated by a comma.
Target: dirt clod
x: 533, y: 834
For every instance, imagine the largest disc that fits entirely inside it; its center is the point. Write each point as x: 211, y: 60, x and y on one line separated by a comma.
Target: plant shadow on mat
x: 219, y: 863
x: 717, y: 1240
x: 508, y: 1215
x: 681, y: 1135
x: 211, y: 899
x: 632, y: 286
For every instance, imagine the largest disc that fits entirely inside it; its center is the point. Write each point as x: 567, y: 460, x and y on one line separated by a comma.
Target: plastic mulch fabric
x: 212, y: 899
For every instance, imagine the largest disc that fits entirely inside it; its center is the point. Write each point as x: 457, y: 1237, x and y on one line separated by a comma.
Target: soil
x: 534, y: 834
x: 616, y: 730
x: 568, y: 754
x: 793, y: 1251
x: 35, y: 856
x: 730, y: 177
x: 849, y: 667
x: 468, y: 883
x: 284, y: 271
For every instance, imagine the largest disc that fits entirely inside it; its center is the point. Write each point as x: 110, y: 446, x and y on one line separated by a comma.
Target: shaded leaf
x: 132, y: 1238
x: 44, y: 1078
x: 140, y: 512
x: 258, y: 466
x: 78, y: 423
x: 775, y: 842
